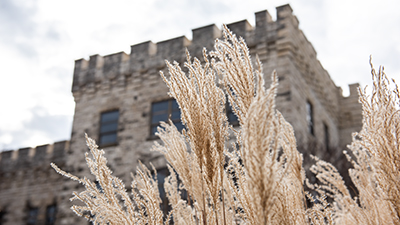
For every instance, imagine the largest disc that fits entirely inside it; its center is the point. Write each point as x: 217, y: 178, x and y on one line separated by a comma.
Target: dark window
x: 51, y: 211
x: 2, y: 216
x: 310, y: 119
x: 326, y: 131
x: 161, y: 175
x: 99, y: 187
x: 108, y: 128
x: 32, y: 216
x: 232, y: 118
x: 89, y: 215
x: 162, y: 111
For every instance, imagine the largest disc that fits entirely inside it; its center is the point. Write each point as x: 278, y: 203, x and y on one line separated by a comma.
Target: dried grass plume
x: 260, y: 179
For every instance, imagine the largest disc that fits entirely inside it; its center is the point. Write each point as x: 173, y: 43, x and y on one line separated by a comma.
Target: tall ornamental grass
x: 259, y: 179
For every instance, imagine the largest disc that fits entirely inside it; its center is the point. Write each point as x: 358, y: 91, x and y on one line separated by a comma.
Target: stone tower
x: 120, y: 98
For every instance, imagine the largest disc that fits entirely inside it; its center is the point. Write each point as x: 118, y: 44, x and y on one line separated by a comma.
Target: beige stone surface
x: 131, y: 82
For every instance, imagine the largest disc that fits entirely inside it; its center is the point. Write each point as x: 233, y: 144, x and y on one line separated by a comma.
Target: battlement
x: 350, y: 116
x: 131, y: 84
x: 31, y: 158
x: 353, y: 88
x: 269, y: 39
x: 148, y: 55
x: 353, y: 91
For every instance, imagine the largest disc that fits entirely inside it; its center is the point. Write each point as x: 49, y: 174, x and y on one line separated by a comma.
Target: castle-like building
x: 120, y: 99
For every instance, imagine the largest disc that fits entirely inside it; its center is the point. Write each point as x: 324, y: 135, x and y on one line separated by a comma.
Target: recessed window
x: 161, y: 175
x: 32, y: 216
x: 309, y: 118
x: 326, y: 131
x: 108, y: 128
x: 230, y: 114
x: 2, y: 216
x: 99, y: 187
x: 232, y: 118
x: 51, y: 211
x: 163, y: 111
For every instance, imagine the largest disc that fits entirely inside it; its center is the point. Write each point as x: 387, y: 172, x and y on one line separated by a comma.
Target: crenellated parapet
x: 271, y: 40
x: 130, y: 84
x: 350, y: 116
x: 31, y: 158
x: 89, y: 74
x: 241, y: 28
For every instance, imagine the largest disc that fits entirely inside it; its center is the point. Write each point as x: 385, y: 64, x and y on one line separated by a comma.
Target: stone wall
x: 131, y: 82
x: 279, y: 44
x: 28, y: 182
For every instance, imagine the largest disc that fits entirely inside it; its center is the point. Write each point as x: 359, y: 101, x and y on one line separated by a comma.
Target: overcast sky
x: 40, y: 39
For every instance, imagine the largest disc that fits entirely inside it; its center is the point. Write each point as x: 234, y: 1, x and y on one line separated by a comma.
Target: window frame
x: 101, y: 134
x: 32, y: 216
x: 169, y: 111
x: 51, y: 216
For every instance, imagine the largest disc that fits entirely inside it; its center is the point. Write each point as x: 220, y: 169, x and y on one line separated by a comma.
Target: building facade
x: 120, y: 99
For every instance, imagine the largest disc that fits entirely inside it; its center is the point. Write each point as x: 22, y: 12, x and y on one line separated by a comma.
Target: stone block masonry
x: 130, y: 84
x: 28, y: 185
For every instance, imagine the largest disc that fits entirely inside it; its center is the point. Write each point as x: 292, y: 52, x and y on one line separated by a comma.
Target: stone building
x: 120, y: 98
